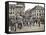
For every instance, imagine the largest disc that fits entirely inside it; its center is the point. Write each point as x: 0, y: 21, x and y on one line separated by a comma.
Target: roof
x: 35, y: 8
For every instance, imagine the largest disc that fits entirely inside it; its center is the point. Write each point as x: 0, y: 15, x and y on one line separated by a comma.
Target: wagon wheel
x: 19, y: 26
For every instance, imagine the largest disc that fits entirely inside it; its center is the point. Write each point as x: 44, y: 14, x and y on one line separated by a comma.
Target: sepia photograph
x: 26, y: 17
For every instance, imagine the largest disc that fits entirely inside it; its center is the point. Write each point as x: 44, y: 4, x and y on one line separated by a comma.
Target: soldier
x: 38, y: 22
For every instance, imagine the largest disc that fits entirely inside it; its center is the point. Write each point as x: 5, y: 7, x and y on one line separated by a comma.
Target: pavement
x: 31, y: 28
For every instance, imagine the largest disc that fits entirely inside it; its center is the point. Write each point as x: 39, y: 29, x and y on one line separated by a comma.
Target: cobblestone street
x: 31, y: 28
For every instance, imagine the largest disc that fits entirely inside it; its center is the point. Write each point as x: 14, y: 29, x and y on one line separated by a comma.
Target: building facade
x: 35, y: 14
x: 16, y: 11
x: 38, y: 13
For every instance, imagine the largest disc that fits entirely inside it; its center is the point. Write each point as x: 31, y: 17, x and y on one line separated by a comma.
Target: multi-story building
x: 37, y: 12
x: 11, y: 9
x: 19, y: 10
x: 16, y: 11
x: 27, y: 17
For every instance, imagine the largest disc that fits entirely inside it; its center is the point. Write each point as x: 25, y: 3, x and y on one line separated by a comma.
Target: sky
x: 30, y: 6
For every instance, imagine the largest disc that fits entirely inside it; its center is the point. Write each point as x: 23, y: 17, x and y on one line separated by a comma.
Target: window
x: 43, y: 11
x: 39, y: 11
x: 40, y: 14
x: 37, y: 14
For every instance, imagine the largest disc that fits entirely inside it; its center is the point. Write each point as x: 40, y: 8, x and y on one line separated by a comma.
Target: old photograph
x: 26, y: 17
